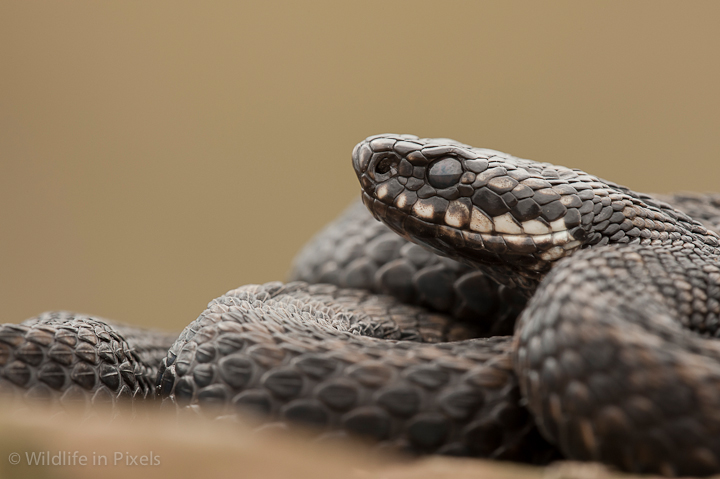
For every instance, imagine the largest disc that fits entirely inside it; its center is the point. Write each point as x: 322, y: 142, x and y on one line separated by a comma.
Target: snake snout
x: 376, y: 160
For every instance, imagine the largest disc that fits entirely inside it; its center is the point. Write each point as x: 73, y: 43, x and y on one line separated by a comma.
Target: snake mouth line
x: 552, y: 240
x: 501, y: 235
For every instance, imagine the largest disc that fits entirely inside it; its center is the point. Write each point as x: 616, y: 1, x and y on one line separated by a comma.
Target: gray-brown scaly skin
x: 71, y: 359
x: 703, y: 207
x: 335, y: 359
x: 613, y: 351
x: 356, y: 251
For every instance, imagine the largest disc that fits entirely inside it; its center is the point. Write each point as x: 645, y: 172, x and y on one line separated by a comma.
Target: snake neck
x: 510, y: 217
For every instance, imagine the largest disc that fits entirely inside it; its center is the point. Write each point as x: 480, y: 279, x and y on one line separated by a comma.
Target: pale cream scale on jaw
x: 554, y: 239
x: 423, y: 209
x: 382, y: 191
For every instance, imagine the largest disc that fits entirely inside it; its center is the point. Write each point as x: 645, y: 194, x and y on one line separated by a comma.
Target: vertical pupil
x: 445, y: 173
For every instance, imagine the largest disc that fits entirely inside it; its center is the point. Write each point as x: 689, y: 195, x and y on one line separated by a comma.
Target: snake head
x: 476, y: 205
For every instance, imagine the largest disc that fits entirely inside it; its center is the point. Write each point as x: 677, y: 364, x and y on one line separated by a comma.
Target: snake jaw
x: 499, y: 208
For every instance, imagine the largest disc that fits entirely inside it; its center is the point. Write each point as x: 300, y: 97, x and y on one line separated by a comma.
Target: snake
x: 500, y: 308
x: 65, y: 359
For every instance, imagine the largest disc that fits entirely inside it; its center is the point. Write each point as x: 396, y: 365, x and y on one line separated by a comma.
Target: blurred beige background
x: 154, y: 155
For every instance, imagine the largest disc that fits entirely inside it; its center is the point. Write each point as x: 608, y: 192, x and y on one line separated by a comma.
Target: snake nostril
x: 386, y: 165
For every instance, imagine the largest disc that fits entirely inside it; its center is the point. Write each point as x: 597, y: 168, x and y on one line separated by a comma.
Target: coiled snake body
x: 612, y: 358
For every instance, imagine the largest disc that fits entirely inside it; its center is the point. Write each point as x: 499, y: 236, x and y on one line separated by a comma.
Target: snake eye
x: 445, y: 173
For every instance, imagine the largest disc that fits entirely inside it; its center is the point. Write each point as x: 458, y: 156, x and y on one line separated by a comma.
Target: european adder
x: 612, y: 358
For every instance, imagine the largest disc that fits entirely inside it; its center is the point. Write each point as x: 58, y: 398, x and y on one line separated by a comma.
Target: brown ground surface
x: 197, y: 447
